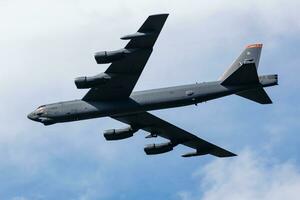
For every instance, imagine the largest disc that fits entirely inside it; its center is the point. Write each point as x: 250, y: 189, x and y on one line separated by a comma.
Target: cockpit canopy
x: 40, y: 110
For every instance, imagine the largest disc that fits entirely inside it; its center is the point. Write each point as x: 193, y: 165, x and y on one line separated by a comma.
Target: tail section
x: 243, y: 71
x: 244, y: 75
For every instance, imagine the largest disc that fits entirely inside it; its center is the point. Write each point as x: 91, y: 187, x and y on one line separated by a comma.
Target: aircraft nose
x: 31, y: 116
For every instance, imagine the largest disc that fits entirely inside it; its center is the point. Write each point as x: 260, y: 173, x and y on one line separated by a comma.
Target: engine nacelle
x: 158, y: 148
x: 104, y: 57
x: 119, y: 134
x: 92, y: 81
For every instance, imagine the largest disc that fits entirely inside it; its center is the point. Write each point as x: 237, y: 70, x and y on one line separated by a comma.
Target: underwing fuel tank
x: 119, y: 134
x: 152, y: 149
x: 105, y: 57
x: 92, y: 81
x: 191, y: 154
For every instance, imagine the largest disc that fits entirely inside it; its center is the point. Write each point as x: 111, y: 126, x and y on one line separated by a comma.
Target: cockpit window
x: 40, y: 110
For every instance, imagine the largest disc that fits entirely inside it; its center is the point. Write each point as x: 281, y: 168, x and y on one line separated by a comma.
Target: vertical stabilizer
x: 245, y: 65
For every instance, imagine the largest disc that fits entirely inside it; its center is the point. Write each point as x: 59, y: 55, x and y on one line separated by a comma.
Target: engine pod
x: 105, y: 57
x: 158, y: 148
x: 92, y: 81
x: 119, y: 134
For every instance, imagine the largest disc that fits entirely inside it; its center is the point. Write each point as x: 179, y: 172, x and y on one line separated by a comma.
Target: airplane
x: 110, y: 94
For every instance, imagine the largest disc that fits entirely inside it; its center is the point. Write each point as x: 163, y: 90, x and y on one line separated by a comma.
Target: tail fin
x: 243, y: 71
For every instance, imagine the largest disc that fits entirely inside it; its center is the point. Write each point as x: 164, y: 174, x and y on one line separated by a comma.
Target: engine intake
x: 92, y: 81
x: 158, y: 148
x: 104, y: 57
x: 119, y: 134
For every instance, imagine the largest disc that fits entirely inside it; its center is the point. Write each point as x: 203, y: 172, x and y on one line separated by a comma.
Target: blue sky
x: 46, y: 44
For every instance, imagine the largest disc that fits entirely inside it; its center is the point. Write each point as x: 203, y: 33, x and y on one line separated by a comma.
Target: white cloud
x: 19, y: 198
x: 246, y: 177
x: 47, y: 43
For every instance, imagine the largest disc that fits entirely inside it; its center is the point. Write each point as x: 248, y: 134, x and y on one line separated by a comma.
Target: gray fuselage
x: 139, y: 101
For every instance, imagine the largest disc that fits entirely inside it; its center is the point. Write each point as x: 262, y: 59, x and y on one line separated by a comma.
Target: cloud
x: 19, y: 198
x: 46, y: 44
x: 249, y: 176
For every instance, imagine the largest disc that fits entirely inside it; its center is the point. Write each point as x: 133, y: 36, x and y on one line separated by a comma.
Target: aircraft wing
x: 125, y: 72
x: 157, y: 126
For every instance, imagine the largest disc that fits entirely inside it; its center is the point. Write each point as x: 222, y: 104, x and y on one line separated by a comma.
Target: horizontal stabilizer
x: 258, y: 95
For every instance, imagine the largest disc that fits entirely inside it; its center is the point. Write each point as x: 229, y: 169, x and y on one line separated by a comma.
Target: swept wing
x: 176, y: 135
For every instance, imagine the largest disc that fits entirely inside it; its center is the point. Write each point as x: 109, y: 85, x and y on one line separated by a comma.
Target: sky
x: 46, y: 44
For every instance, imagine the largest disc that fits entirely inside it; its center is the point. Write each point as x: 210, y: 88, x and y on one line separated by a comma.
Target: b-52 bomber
x: 110, y: 94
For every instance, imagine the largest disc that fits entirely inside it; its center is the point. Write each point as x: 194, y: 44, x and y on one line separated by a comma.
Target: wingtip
x: 231, y: 154
x: 223, y: 154
x: 227, y: 155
